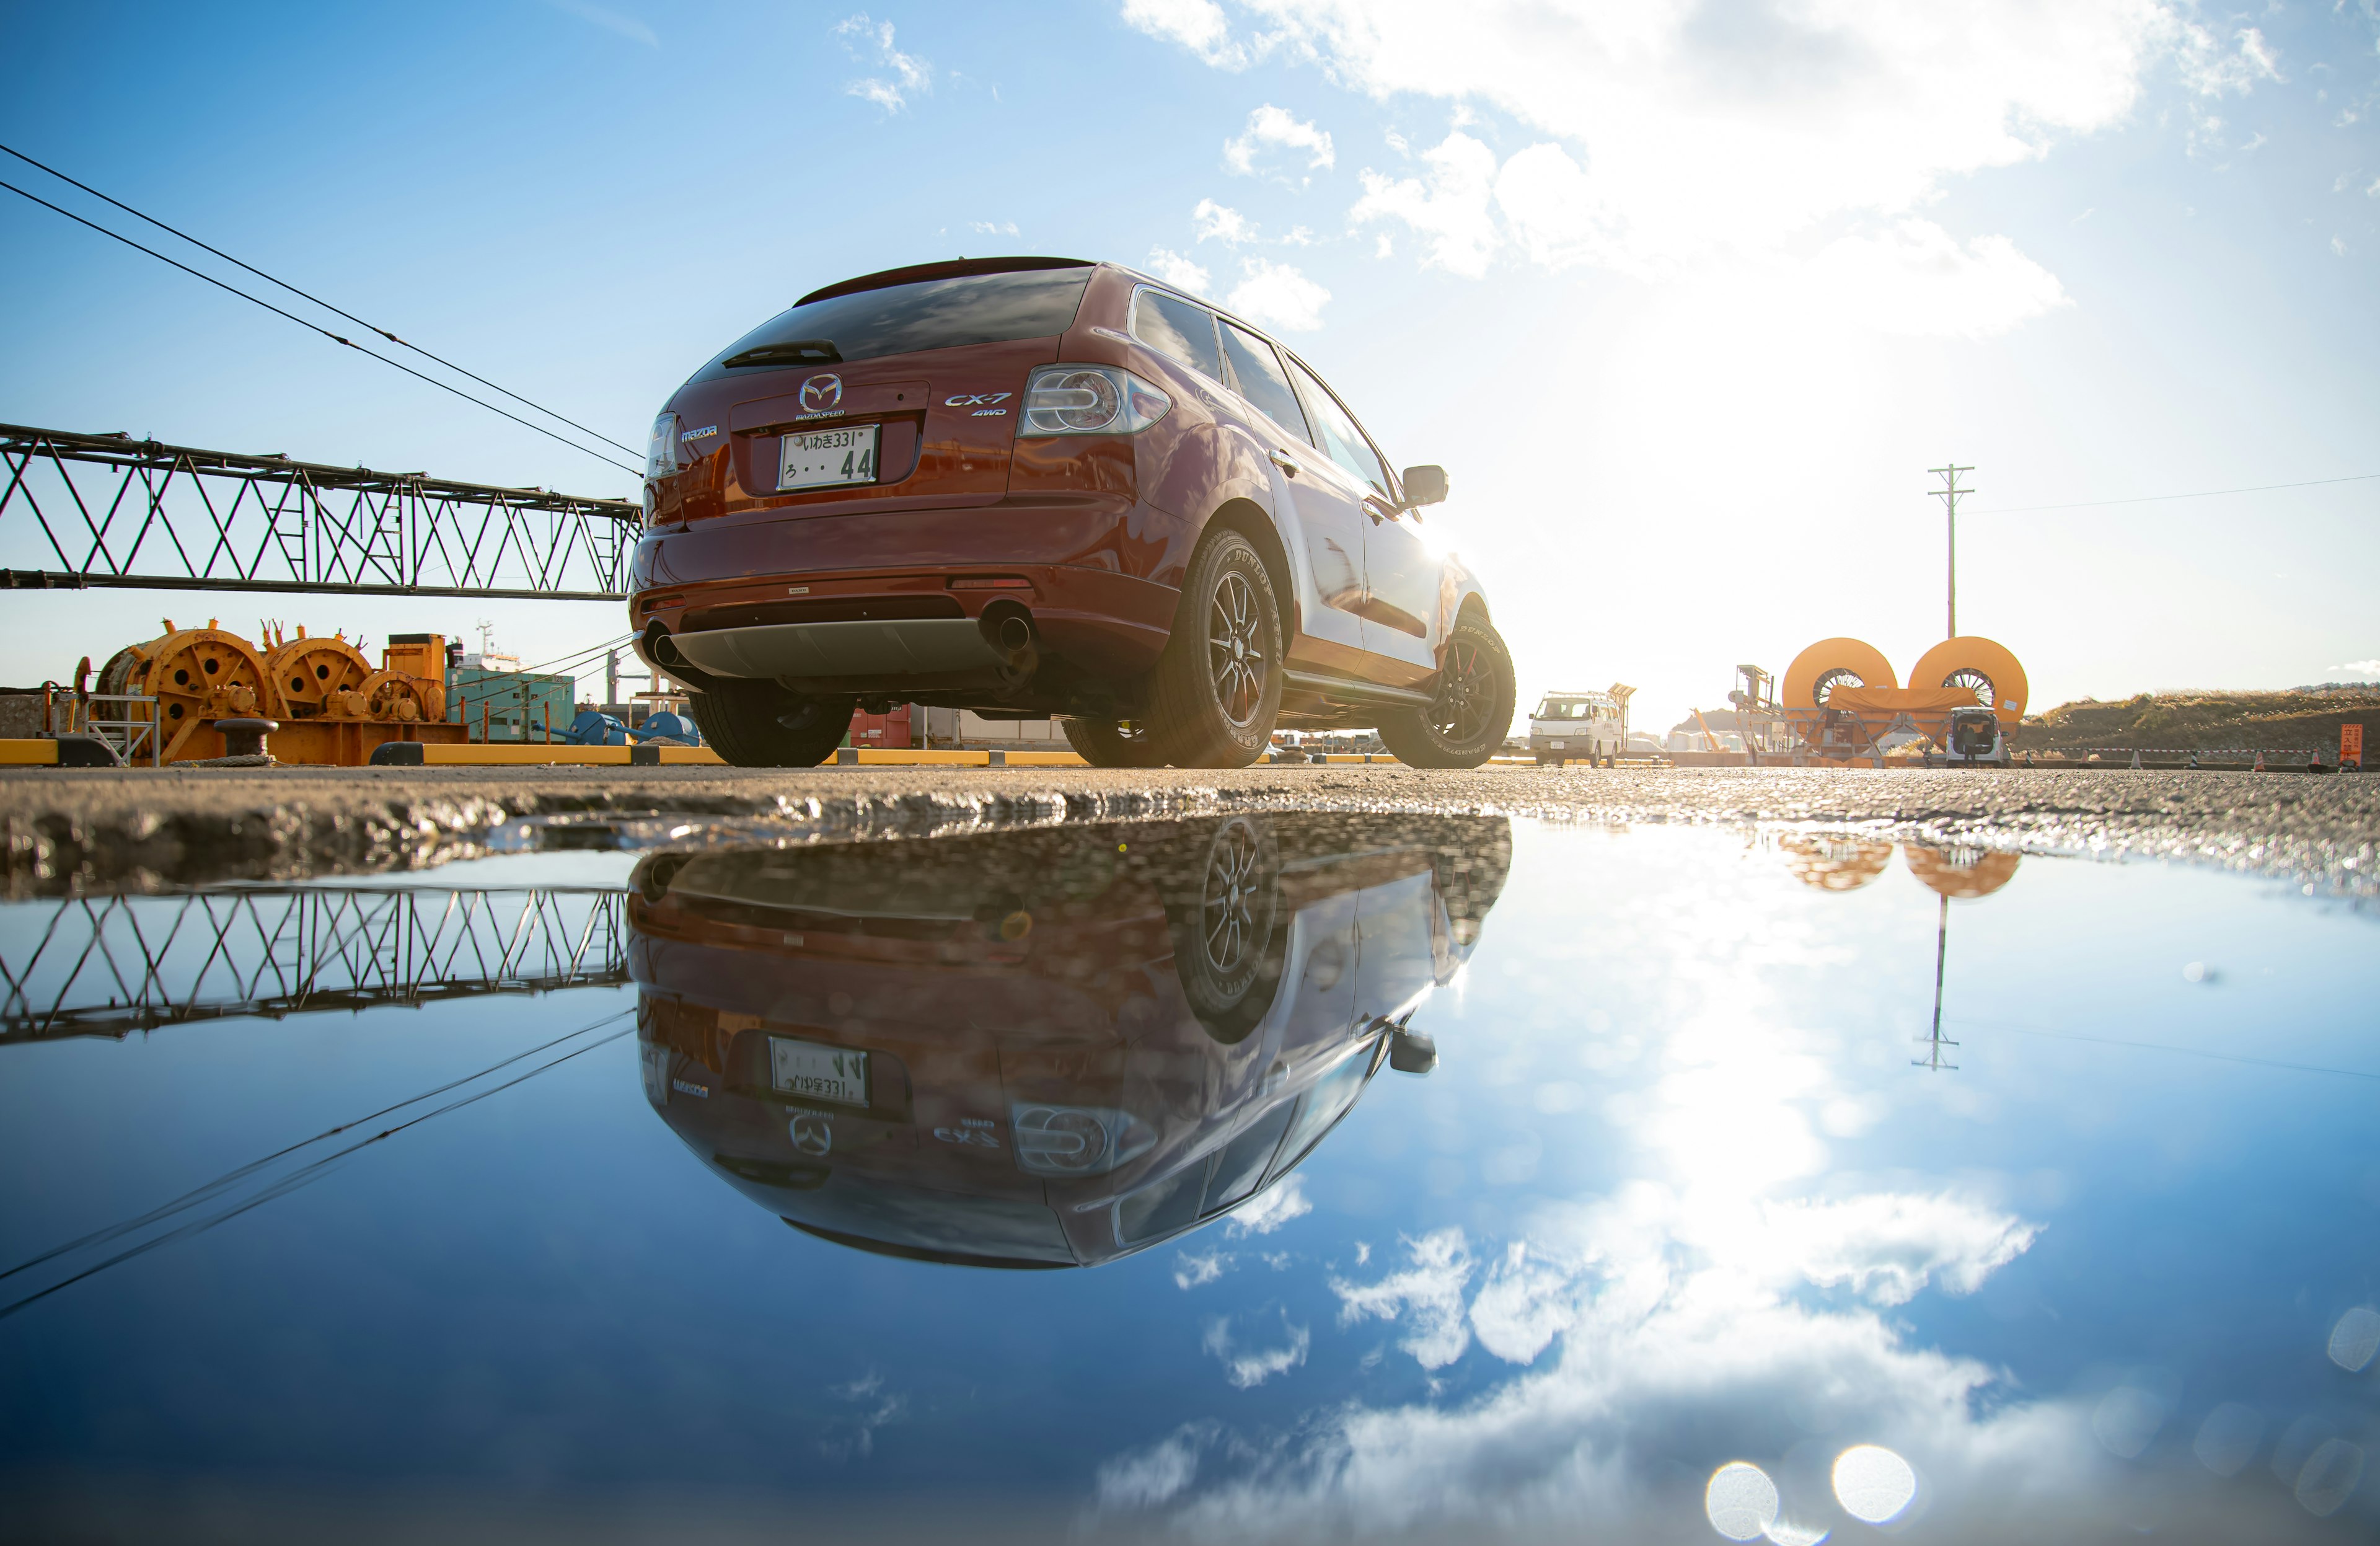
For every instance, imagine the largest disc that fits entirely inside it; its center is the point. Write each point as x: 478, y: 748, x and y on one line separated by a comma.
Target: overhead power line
x: 2155, y: 498
x: 313, y: 327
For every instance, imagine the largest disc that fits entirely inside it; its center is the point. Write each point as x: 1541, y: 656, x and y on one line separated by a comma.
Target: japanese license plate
x: 825, y: 458
x: 817, y: 1073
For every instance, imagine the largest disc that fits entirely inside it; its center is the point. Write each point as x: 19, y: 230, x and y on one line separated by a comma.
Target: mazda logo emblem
x: 820, y: 392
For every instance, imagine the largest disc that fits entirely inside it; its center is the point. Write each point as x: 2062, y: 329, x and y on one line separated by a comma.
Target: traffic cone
x: 2136, y: 761
x: 2259, y: 760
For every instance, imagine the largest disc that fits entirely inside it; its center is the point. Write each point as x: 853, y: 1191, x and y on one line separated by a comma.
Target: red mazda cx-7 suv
x: 1036, y: 486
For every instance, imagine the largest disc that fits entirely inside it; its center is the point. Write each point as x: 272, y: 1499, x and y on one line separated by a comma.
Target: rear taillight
x: 1090, y: 400
x: 661, y: 451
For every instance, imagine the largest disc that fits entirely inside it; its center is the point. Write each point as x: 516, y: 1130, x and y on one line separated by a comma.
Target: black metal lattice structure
x: 108, y: 966
x: 108, y: 510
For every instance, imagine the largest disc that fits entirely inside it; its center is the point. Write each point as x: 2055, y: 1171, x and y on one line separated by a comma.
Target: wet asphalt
x: 69, y: 829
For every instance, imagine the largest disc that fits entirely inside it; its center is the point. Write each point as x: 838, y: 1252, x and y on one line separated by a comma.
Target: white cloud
x: 1248, y: 1368
x: 1653, y: 140
x: 1278, y: 296
x: 2374, y: 192
x: 1200, y: 26
x: 993, y: 228
x: 1915, y: 279
x: 609, y: 19
x: 1155, y: 1475
x: 1215, y: 221
x: 2211, y: 69
x: 1271, y: 126
x: 1196, y: 1272
x: 1427, y: 1296
x: 1177, y: 270
x: 1448, y: 204
x: 1524, y: 1305
x: 2360, y: 668
x: 1887, y: 1245
x: 910, y: 75
x: 1267, y: 1210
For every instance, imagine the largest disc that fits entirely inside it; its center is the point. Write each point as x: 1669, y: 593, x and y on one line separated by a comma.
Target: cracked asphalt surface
x: 66, y: 830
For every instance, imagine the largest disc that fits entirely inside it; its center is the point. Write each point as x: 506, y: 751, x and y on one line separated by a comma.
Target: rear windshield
x: 904, y: 319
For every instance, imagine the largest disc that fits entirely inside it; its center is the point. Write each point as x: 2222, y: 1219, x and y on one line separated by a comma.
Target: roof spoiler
x: 955, y: 268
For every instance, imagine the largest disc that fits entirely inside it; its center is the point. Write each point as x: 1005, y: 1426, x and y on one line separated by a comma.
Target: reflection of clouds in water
x: 1247, y: 1367
x: 1267, y: 1210
x: 1661, y: 1352
x: 1683, y: 1317
x: 1430, y: 1290
x: 1196, y: 1272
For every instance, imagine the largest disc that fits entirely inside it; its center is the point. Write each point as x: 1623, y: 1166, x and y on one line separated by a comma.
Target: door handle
x: 1284, y: 461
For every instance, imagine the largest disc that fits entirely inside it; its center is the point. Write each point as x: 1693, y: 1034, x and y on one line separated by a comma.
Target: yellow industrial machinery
x: 197, y: 676
x: 332, y: 706
x: 1842, y: 698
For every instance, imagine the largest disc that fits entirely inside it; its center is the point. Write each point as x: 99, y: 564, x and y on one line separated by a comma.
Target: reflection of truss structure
x: 106, y: 966
x: 109, y: 510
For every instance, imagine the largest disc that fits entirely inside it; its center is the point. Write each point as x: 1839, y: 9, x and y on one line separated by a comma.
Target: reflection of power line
x: 2170, y: 1047
x: 280, y: 1184
x: 108, y: 966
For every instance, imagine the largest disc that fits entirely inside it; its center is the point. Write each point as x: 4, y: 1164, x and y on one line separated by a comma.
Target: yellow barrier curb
x: 898, y: 757
x: 28, y: 754
x: 482, y: 755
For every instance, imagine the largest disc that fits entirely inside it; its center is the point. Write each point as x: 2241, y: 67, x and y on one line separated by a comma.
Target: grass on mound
x: 2208, y: 720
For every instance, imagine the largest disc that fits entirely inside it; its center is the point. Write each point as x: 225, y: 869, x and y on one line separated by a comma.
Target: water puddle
x: 1263, y: 1177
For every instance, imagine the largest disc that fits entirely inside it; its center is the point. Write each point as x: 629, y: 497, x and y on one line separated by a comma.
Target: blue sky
x: 1687, y: 299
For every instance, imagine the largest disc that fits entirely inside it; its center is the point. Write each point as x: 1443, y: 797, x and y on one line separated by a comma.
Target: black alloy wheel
x: 759, y: 725
x: 1216, y: 688
x: 1111, y: 743
x: 1231, y: 932
x: 1473, y: 710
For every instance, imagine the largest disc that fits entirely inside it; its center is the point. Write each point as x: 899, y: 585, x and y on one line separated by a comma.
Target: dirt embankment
x: 2208, y: 721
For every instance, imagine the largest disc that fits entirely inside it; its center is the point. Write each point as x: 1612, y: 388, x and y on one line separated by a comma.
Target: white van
x: 1575, y: 726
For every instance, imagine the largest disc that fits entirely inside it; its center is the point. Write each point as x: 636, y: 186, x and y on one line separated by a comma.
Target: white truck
x: 1575, y: 726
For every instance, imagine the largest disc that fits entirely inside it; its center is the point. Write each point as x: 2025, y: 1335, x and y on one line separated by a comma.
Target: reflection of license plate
x: 823, y: 458
x: 818, y: 1072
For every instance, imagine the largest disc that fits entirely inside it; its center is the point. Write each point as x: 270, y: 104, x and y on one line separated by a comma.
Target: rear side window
x: 1262, y: 381
x: 1336, y: 432
x: 1176, y: 328
x: 904, y: 319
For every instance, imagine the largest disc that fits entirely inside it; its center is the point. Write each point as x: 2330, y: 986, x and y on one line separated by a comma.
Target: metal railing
x: 108, y: 966
x: 108, y: 510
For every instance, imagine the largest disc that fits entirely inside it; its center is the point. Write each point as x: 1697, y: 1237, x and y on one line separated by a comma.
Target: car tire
x: 759, y: 725
x: 1472, y: 710
x: 1217, y: 688
x: 1110, y: 743
x: 1230, y: 925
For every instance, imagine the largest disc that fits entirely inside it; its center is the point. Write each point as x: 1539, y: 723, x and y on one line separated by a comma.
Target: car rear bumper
x: 897, y: 599
x: 906, y: 647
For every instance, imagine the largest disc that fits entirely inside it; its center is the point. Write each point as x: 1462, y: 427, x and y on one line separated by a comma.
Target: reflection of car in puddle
x: 1046, y: 1048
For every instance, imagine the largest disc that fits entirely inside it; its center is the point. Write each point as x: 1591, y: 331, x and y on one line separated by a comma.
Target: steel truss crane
x: 109, y: 510
x: 108, y: 966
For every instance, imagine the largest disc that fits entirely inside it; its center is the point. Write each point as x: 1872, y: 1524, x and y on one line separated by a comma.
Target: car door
x: 1399, y: 602
x: 1329, y: 505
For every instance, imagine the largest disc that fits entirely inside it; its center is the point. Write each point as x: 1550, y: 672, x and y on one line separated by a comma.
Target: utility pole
x: 1949, y: 495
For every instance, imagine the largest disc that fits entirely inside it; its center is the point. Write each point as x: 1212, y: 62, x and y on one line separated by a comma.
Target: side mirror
x: 1424, y: 485
x: 1410, y: 1052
